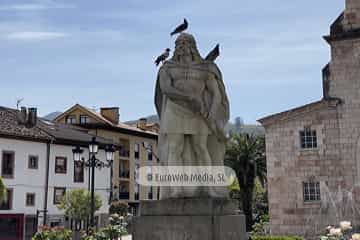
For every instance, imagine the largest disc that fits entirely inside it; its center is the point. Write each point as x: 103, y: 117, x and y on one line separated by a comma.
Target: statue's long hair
x: 195, y: 55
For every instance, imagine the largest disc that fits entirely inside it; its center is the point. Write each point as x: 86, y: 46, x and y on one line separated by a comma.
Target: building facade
x: 37, y: 167
x: 313, y: 151
x: 137, y: 148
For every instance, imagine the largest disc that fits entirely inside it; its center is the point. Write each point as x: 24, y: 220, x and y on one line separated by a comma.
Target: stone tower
x: 343, y: 76
x: 352, y: 15
x: 313, y: 151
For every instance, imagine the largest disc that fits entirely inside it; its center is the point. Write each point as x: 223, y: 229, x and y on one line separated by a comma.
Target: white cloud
x: 35, y: 35
x: 34, y: 6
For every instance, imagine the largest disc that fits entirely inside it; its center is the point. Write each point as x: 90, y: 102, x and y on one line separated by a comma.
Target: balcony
x: 124, y: 195
x: 124, y: 174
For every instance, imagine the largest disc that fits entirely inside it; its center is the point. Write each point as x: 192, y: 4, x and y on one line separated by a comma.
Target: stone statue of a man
x: 193, y: 108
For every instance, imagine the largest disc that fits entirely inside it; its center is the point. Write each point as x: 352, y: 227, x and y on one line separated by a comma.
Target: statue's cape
x: 218, y: 119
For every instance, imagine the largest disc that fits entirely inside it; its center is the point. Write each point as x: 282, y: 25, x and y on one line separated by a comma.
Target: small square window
x: 311, y: 191
x: 59, y: 192
x: 60, y: 165
x: 308, y: 138
x: 30, y: 199
x: 33, y: 162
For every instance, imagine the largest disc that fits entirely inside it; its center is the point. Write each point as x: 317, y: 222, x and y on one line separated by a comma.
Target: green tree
x: 246, y: 155
x: 2, y: 190
x: 76, y: 204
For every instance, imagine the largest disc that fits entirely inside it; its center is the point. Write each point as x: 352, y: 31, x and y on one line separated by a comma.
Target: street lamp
x: 93, y: 163
x: 109, y: 152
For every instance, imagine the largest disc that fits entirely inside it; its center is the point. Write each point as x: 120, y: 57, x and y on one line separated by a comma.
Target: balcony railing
x: 124, y: 174
x: 124, y: 195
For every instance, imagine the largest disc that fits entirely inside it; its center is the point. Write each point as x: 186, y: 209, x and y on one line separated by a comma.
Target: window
x: 78, y: 172
x: 150, y: 153
x: 150, y: 193
x: 60, y: 165
x: 311, y: 191
x: 71, y: 119
x: 33, y: 162
x: 308, y: 138
x: 137, y: 189
x: 58, y: 194
x: 30, y: 199
x: 84, y: 119
x: 7, y: 203
x: 7, y: 164
x: 137, y: 151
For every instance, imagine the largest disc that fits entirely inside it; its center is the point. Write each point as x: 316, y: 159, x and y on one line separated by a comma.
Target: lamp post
x: 93, y: 163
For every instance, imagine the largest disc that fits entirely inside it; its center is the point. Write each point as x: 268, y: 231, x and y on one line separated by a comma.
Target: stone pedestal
x: 189, y: 219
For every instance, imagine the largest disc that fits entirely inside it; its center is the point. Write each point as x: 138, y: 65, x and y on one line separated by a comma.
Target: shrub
x: 113, y: 231
x: 343, y: 232
x: 48, y: 233
x: 259, y: 228
x: 119, y: 207
x: 269, y: 237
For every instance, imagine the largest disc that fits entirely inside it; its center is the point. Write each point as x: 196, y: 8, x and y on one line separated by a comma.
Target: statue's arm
x: 213, y: 89
x: 168, y: 89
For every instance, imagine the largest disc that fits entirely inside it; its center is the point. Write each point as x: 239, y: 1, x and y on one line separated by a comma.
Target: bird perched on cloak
x: 162, y: 57
x: 182, y: 27
x: 213, y: 54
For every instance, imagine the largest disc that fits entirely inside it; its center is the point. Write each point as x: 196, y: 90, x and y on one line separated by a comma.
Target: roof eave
x: 290, y: 114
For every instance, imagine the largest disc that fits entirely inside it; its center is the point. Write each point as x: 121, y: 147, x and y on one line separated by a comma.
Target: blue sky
x: 100, y: 53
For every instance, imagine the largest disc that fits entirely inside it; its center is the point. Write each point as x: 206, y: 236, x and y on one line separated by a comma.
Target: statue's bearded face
x: 183, y: 48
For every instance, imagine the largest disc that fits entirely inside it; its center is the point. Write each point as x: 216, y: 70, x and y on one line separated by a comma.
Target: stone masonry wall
x: 352, y: 14
x: 289, y: 166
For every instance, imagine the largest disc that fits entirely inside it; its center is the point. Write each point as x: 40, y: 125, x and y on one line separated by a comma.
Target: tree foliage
x: 77, y: 204
x: 246, y: 155
x: 2, y: 190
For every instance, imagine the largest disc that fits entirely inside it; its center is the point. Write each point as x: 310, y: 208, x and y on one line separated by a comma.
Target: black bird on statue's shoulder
x: 162, y: 57
x: 182, y: 27
x: 213, y: 54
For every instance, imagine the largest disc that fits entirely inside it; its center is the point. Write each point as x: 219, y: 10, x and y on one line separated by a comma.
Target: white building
x: 37, y: 167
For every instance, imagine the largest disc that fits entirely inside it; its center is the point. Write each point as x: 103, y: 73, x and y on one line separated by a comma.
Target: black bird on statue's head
x: 213, y: 54
x: 162, y: 57
x: 182, y: 27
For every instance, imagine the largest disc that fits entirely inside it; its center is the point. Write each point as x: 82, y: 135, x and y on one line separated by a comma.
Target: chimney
x: 111, y: 114
x: 22, y: 116
x: 352, y: 15
x: 142, y: 123
x: 27, y: 117
x: 32, y: 117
